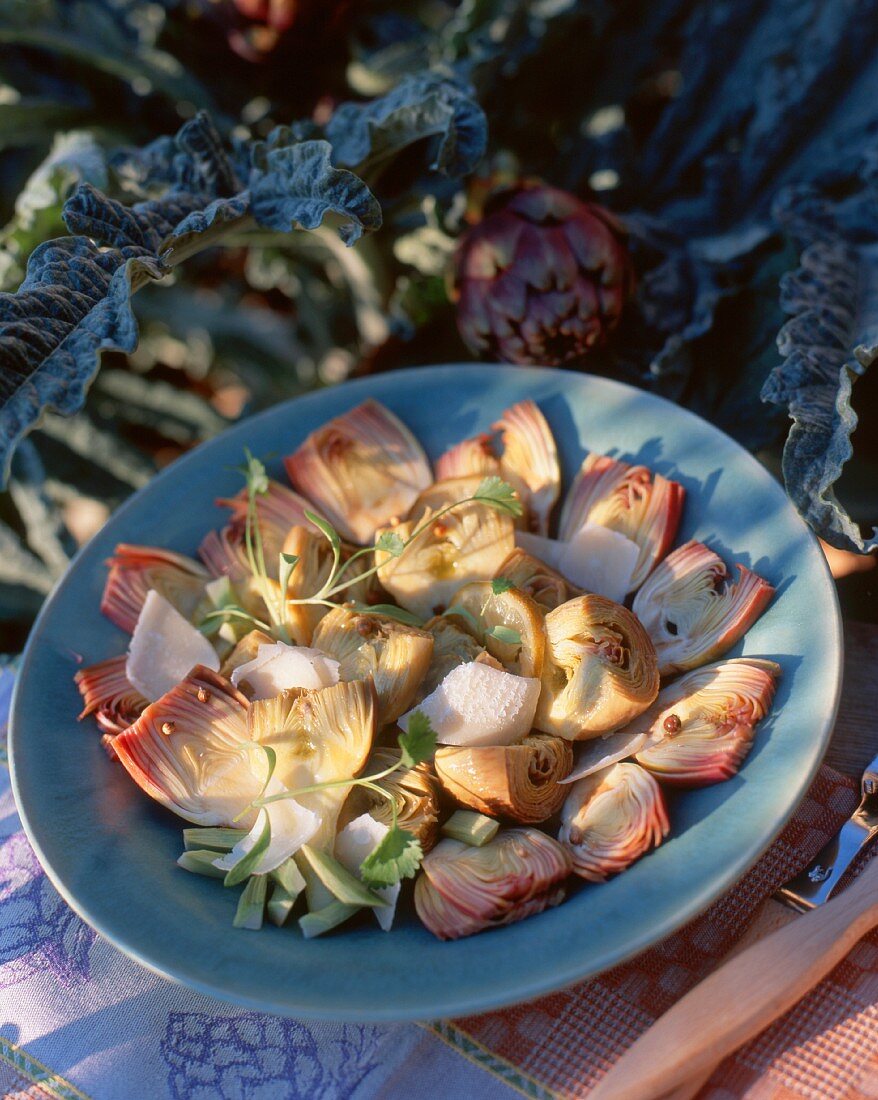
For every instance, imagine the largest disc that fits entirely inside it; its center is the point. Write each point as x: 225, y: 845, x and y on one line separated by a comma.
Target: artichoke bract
x: 464, y: 545
x: 693, y: 612
x: 542, y: 279
x: 702, y: 726
x: 532, y: 576
x: 109, y: 695
x: 488, y: 615
x: 394, y: 655
x: 415, y: 793
x: 462, y: 890
x: 630, y: 500
x: 520, y: 781
x: 135, y: 571
x: 361, y: 469
x: 612, y: 818
x: 600, y: 669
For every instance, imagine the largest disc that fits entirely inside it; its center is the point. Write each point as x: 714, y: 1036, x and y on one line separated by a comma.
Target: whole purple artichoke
x: 542, y: 279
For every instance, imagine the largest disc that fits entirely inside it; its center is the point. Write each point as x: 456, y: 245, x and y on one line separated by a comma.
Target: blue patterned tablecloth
x: 79, y: 1019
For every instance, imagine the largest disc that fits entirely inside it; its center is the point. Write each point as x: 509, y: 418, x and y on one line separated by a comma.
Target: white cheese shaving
x: 278, y: 667
x: 164, y: 648
x: 357, y: 840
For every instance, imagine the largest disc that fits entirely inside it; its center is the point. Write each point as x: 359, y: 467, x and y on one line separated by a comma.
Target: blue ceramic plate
x: 111, y: 851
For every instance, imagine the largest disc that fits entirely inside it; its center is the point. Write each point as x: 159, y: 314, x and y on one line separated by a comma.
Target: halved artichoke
x: 691, y: 610
x: 529, y: 462
x: 482, y: 611
x: 462, y: 890
x: 135, y: 570
x: 415, y: 792
x: 108, y: 694
x: 464, y: 545
x: 702, y: 726
x: 536, y: 579
x: 612, y: 818
x: 629, y: 499
x: 520, y: 781
x: 471, y: 457
x: 452, y: 646
x: 600, y: 670
x: 361, y: 469
x: 395, y: 655
x: 190, y: 751
x: 277, y: 510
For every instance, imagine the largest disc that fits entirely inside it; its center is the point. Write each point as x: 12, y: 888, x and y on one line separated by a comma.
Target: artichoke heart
x: 452, y: 646
x: 520, y: 781
x: 600, y: 670
x: 643, y: 507
x: 508, y: 624
x: 536, y: 579
x: 463, y: 545
x: 529, y: 462
x: 701, y: 727
x: 612, y: 818
x: 135, y: 571
x: 693, y: 612
x: 395, y: 655
x: 462, y: 890
x: 443, y: 493
x: 361, y: 470
x: 414, y: 791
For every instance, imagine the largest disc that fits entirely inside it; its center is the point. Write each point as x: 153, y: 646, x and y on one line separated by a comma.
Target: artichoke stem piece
x: 462, y: 890
x: 600, y: 671
x: 612, y: 818
x: 136, y: 570
x: 693, y: 612
x: 521, y: 782
x: 643, y: 507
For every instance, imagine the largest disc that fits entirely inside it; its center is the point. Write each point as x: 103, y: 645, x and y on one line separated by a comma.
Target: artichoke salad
x: 388, y: 672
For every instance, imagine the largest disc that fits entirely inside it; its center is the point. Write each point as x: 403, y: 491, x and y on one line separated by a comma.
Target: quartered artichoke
x: 108, y: 694
x: 361, y: 469
x: 395, y: 655
x: 691, y: 610
x: 643, y: 507
x: 520, y: 781
x: 135, y: 570
x: 701, y: 727
x: 415, y: 793
x: 612, y: 818
x: 495, y: 618
x: 600, y: 669
x: 529, y: 462
x: 452, y: 646
x: 464, y: 545
x: 462, y: 890
x: 245, y: 651
x: 536, y: 579
x: 470, y: 458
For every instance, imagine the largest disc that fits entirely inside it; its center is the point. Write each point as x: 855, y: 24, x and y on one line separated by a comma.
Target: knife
x: 765, y: 975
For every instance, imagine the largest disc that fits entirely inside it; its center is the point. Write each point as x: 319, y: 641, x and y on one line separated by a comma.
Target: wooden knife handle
x: 742, y: 997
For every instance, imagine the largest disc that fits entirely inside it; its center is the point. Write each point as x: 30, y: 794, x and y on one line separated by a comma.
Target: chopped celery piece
x: 343, y: 885
x: 251, y: 906
x: 280, y: 905
x: 324, y: 920
x: 471, y: 828
x: 200, y: 862
x: 289, y: 877
x: 220, y: 592
x: 247, y: 863
x: 220, y: 840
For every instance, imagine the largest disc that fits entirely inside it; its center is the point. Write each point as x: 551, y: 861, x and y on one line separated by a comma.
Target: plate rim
x: 554, y: 981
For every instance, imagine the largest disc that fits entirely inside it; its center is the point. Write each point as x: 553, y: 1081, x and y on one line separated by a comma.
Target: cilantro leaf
x: 389, y: 611
x: 397, y: 856
x: 418, y: 742
x: 328, y: 530
x: 254, y: 474
x: 505, y: 634
x: 499, y: 585
x: 390, y: 543
x: 499, y: 494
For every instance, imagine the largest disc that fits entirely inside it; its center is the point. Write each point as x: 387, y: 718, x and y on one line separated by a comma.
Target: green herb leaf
x: 389, y: 611
x: 397, y: 856
x: 286, y: 563
x: 328, y: 530
x: 464, y: 613
x: 244, y: 867
x: 418, y: 742
x: 254, y: 474
x: 505, y: 634
x: 499, y: 585
x: 390, y: 543
x: 499, y: 494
